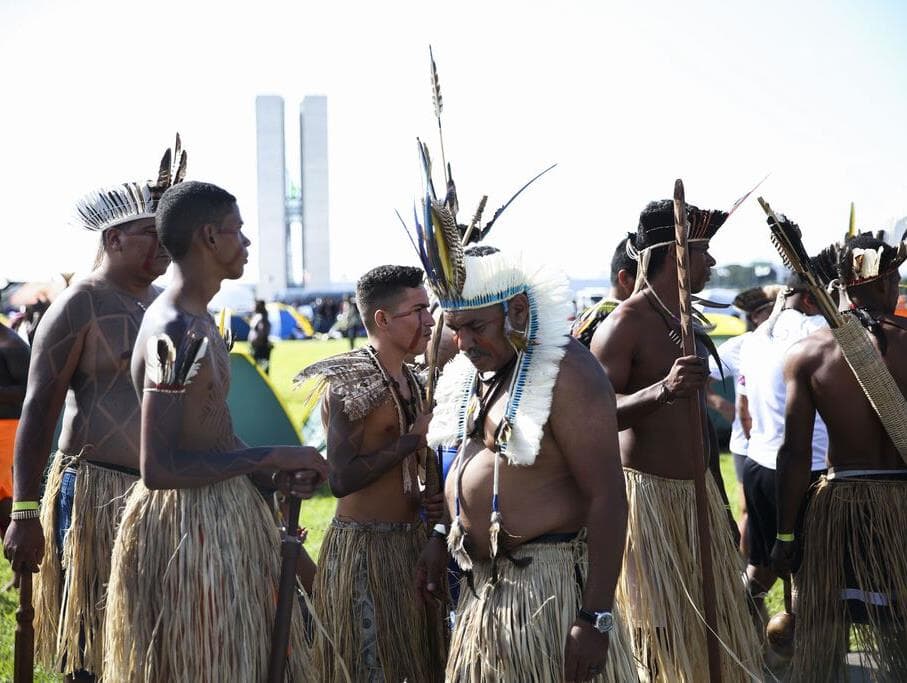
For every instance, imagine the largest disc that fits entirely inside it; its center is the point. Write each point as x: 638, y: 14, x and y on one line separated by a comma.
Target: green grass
x: 287, y: 359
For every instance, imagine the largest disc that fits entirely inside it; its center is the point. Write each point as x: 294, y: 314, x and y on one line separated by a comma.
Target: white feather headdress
x: 109, y: 207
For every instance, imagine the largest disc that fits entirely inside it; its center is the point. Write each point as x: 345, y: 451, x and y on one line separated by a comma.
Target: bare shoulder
x: 580, y: 374
x: 623, y: 323
x: 808, y: 354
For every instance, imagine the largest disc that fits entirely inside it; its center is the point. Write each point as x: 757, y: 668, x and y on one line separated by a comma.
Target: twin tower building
x: 293, y: 242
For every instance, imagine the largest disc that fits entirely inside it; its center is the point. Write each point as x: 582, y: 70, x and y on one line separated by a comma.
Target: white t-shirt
x: 762, y: 360
x: 729, y: 352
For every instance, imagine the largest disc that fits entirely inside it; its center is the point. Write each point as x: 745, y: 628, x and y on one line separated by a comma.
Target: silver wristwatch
x: 602, y: 622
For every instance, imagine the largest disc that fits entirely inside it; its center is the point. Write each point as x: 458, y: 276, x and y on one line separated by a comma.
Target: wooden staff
x: 24, y: 656
x: 702, y: 506
x: 290, y: 549
x: 432, y: 466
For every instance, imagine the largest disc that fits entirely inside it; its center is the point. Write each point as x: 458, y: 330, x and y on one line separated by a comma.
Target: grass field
x: 288, y: 358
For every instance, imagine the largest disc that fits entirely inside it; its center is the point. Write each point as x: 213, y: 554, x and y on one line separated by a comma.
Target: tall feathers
x: 439, y: 238
x: 112, y: 206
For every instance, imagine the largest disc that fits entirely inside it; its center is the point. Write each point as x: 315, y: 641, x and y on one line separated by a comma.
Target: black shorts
x: 739, y: 462
x: 761, y: 507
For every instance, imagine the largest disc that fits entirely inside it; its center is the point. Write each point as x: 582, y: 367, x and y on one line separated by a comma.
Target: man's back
x: 857, y: 439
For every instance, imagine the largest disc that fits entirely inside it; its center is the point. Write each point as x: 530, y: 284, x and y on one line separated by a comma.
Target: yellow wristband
x: 26, y: 505
x: 787, y: 538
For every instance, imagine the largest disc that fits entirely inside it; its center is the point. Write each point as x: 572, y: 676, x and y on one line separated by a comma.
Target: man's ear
x: 626, y: 280
x: 207, y: 232
x: 113, y: 239
x: 381, y: 318
x: 518, y: 311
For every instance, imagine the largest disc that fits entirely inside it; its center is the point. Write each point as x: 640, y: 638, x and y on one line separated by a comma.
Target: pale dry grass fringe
x: 98, y: 501
x: 661, y: 585
x: 863, y: 521
x: 49, y: 580
x: 193, y: 588
x: 515, y: 631
x: 410, y: 638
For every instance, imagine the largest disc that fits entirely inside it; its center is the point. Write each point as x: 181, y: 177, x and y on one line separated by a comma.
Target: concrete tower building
x: 293, y: 230
x: 313, y: 141
x: 272, y: 215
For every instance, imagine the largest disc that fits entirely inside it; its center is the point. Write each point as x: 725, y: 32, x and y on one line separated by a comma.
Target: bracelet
x: 26, y: 505
x: 25, y: 514
x: 439, y: 531
x: 786, y: 538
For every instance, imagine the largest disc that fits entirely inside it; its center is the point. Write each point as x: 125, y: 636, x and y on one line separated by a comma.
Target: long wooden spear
x: 290, y: 549
x: 24, y: 655
x: 702, y: 506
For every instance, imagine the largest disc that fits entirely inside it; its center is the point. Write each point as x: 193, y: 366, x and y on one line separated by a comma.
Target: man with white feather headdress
x: 195, y: 563
x: 535, y: 497
x: 80, y: 355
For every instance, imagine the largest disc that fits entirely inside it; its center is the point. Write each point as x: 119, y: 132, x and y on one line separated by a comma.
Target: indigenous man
x: 854, y: 569
x: 81, y: 355
x: 623, y: 278
x: 638, y: 345
x: 531, y: 415
x: 762, y: 396
x: 14, y: 354
x: 376, y: 426
x: 195, y: 563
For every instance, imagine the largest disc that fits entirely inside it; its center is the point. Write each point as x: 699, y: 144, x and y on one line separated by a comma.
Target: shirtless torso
x: 81, y: 356
x: 545, y: 497
x: 816, y: 368
x: 634, y: 347
x: 383, y: 499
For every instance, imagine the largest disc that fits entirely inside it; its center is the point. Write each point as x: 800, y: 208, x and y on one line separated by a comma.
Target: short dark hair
x: 622, y: 261
x: 184, y: 208
x: 380, y: 286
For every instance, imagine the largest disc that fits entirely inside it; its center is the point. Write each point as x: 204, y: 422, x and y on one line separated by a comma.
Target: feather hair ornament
x: 169, y: 372
x: 112, y: 206
x: 438, y: 238
x: 864, y: 360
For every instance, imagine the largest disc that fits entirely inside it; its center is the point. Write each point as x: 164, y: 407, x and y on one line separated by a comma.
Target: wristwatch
x: 602, y: 622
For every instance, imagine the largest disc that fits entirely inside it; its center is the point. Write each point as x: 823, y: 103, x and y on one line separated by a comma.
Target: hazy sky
x: 626, y: 97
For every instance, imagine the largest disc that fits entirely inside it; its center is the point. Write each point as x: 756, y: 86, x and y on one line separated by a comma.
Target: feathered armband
x: 169, y: 372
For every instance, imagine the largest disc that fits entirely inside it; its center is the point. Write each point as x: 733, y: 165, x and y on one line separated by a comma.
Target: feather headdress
x: 439, y: 238
x: 111, y: 206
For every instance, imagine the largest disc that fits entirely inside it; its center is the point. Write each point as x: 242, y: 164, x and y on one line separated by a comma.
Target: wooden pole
x: 432, y: 466
x: 702, y: 506
x: 290, y: 549
x: 24, y: 655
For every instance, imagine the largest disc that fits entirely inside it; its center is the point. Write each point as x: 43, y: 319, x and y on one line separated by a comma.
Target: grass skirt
x: 365, y: 596
x: 69, y: 595
x: 193, y: 588
x: 661, y: 585
x: 516, y: 629
x: 853, y: 538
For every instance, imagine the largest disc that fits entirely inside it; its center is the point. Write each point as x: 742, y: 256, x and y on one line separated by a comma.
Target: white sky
x: 626, y: 97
